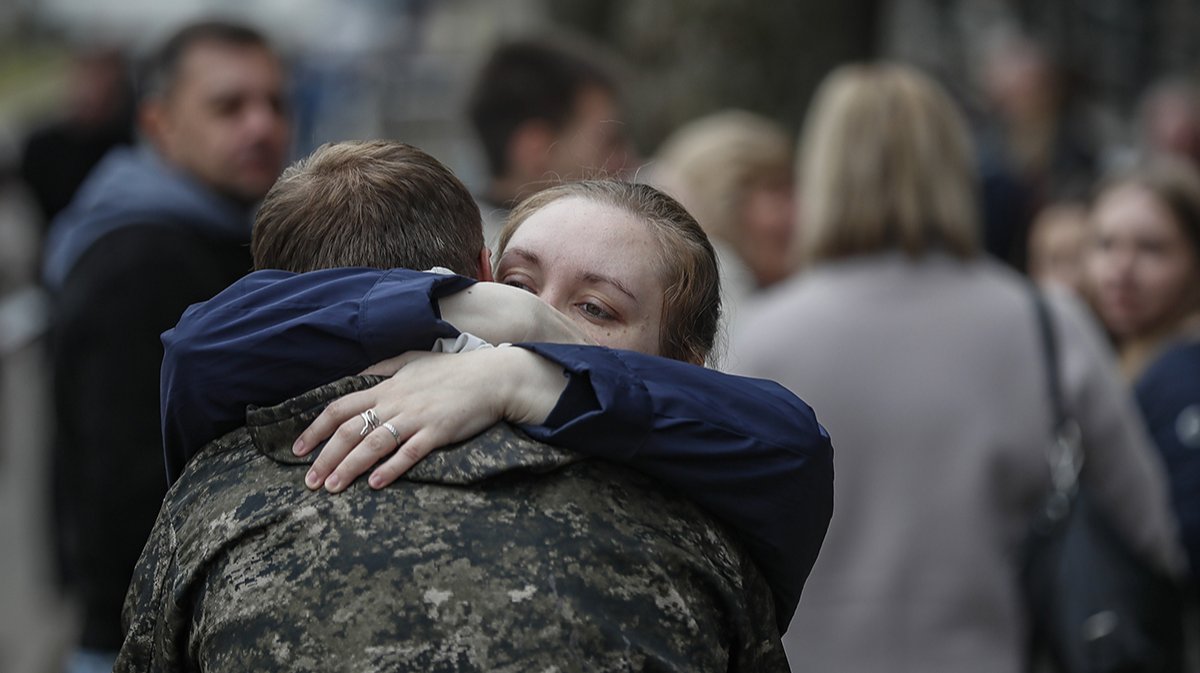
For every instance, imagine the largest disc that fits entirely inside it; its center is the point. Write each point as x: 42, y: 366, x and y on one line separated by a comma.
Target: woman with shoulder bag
x: 926, y: 360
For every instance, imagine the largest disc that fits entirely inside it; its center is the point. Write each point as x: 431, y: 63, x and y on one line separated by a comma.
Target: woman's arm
x: 274, y: 334
x: 499, y: 313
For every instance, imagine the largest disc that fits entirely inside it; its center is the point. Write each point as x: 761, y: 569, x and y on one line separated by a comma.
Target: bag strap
x: 1049, y: 344
x: 1065, y: 453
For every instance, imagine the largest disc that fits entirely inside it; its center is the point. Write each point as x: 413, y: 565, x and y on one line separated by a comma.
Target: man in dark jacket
x: 151, y: 231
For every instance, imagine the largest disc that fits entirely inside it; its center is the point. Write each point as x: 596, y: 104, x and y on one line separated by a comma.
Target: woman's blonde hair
x: 692, y: 303
x: 885, y: 163
x: 718, y: 159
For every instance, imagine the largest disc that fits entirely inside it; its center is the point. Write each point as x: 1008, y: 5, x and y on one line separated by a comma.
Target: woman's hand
x: 434, y: 399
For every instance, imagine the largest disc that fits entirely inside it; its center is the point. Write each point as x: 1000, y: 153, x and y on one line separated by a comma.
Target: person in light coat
x: 924, y: 359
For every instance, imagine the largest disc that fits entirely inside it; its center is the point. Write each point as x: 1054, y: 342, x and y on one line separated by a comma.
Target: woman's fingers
x: 345, y: 442
x: 344, y: 439
x: 343, y: 409
x: 338, y: 416
x: 409, y: 453
x: 369, y: 451
x: 440, y: 400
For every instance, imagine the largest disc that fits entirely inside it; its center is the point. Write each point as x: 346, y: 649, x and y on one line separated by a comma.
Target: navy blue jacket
x: 1168, y: 394
x: 747, y: 450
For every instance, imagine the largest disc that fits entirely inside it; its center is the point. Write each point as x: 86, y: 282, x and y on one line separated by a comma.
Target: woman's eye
x: 518, y: 284
x: 596, y: 311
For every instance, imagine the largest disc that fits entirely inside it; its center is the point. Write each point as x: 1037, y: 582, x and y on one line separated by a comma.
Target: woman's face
x: 596, y: 264
x: 768, y: 218
x: 1141, y: 267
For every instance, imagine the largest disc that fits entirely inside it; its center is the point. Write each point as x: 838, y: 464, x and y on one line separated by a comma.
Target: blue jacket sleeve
x: 274, y: 334
x: 747, y: 450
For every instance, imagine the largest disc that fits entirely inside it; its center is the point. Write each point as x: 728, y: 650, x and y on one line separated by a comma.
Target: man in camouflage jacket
x: 497, y: 554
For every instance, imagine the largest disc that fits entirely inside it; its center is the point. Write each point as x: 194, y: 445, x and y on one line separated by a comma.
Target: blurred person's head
x: 734, y: 171
x: 626, y: 262
x: 544, y: 115
x: 213, y: 106
x: 1057, y: 245
x: 1144, y: 256
x: 1020, y: 81
x: 380, y: 204
x: 885, y: 164
x: 99, y: 90
x: 1169, y: 119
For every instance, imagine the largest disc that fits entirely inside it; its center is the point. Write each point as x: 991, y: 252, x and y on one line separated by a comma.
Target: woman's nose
x: 554, y: 299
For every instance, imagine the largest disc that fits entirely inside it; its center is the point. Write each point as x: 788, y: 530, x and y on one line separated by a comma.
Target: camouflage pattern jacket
x: 498, y: 554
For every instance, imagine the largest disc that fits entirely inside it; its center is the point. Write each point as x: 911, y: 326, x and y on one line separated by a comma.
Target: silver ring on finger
x: 392, y: 429
x: 370, y: 422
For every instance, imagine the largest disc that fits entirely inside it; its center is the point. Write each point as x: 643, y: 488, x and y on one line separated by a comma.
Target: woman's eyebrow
x: 529, y: 257
x: 598, y: 278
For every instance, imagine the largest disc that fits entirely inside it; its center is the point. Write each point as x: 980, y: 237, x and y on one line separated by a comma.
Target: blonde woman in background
x: 923, y: 356
x: 733, y: 171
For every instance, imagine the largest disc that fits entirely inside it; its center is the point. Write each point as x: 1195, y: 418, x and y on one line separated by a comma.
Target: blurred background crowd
x: 1084, y: 146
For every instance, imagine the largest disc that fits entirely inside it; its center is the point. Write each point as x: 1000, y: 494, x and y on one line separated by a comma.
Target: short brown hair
x: 160, y: 70
x: 885, y: 164
x: 692, y: 303
x: 529, y: 80
x: 380, y: 204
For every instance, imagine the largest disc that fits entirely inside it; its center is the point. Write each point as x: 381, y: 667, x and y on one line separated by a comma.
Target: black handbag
x: 1094, y: 605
